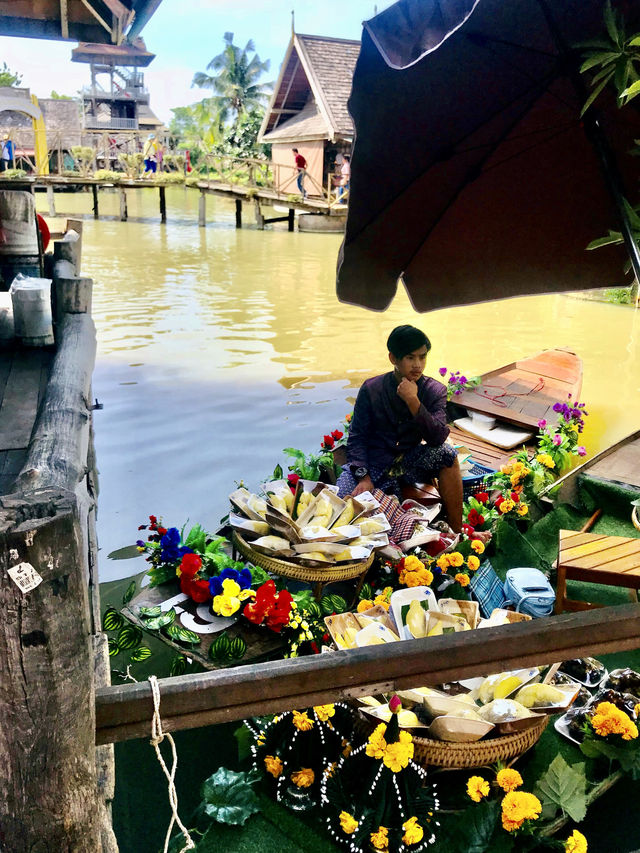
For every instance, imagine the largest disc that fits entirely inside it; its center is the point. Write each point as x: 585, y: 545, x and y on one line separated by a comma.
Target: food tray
x: 330, y: 574
x: 439, y: 753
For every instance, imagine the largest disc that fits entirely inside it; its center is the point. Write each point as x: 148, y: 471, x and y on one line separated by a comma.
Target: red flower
x: 268, y: 607
x: 198, y: 590
x: 482, y: 497
x: 498, y: 504
x: 153, y: 519
x: 162, y: 531
x: 337, y: 434
x: 474, y: 518
x: 400, y: 566
x: 142, y: 527
x: 190, y: 565
x: 314, y: 647
x: 515, y: 497
x: 328, y: 442
x: 468, y: 530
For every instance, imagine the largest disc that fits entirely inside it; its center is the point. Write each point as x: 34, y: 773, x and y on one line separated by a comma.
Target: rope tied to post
x: 157, y: 736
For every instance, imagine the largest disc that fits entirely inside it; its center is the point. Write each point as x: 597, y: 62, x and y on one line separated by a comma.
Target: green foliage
x: 614, y: 58
x: 563, y: 786
x: 168, y: 178
x: 228, y: 797
x: 627, y: 754
x: 83, y: 156
x: 57, y: 97
x: 13, y: 173
x: 477, y: 827
x: 315, y: 466
x: 107, y: 175
x: 9, y: 77
x: 615, y: 238
x: 132, y: 163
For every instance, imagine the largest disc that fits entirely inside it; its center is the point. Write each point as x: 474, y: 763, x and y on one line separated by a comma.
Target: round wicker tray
x: 343, y: 572
x: 453, y: 756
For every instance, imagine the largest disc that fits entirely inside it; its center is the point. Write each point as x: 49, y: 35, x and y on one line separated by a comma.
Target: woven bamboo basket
x: 454, y: 756
x: 330, y: 574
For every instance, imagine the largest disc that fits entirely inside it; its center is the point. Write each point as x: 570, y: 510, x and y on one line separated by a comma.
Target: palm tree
x: 235, y: 86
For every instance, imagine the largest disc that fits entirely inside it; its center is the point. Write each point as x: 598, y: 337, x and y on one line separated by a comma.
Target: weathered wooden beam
x: 51, y: 200
x: 238, y: 213
x: 123, y: 205
x: 191, y: 701
x: 47, y: 748
x: 94, y: 189
x: 57, y: 455
x: 163, y: 205
x: 202, y: 209
x: 69, y: 248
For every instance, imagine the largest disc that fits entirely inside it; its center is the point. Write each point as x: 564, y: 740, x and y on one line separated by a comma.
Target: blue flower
x: 170, y: 549
x: 242, y: 578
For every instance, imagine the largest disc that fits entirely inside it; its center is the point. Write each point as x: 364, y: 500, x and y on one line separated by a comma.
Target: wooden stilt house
x: 308, y: 110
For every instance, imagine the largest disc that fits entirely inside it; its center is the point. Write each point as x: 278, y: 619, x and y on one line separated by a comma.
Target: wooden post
x: 69, y: 249
x: 238, y: 213
x: 202, y: 209
x: 123, y: 204
x: 163, y: 205
x: 51, y: 200
x: 47, y: 738
x: 95, y: 201
x: 259, y: 216
x: 291, y: 222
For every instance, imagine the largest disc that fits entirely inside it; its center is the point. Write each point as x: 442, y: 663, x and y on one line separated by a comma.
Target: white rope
x: 157, y: 736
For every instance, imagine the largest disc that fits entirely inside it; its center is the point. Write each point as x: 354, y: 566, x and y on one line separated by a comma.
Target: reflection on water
x: 217, y: 348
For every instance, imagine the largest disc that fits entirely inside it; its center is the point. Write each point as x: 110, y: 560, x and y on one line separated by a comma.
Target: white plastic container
x: 31, y: 298
x: 7, y: 332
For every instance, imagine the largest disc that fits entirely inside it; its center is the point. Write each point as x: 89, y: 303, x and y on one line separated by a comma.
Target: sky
x: 185, y: 35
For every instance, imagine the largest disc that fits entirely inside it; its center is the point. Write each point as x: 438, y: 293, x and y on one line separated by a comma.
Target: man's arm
x: 430, y: 415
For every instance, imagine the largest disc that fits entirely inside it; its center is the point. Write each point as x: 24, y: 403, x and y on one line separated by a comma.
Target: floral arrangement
x: 293, y: 749
x: 560, y: 443
x: 613, y: 733
x: 269, y: 607
x: 332, y: 440
x: 229, y: 589
x: 457, y: 383
x: 377, y: 794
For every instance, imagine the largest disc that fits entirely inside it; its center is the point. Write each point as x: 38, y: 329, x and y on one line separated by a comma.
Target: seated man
x: 394, y: 414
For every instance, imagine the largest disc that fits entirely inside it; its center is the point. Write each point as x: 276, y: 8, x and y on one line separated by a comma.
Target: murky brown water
x: 218, y: 348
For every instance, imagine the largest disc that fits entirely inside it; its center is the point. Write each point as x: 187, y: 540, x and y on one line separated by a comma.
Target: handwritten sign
x: 25, y: 577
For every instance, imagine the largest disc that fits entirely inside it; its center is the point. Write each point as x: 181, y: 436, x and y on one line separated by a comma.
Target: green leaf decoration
x: 314, y: 610
x: 229, y: 796
x: 565, y: 787
x: 129, y: 637
x: 196, y: 539
x: 161, y: 621
x: 178, y: 665
x: 237, y: 648
x: 126, y: 553
x: 220, y: 649
x: 141, y: 653
x: 113, y: 648
x: 182, y: 635
x: 149, y: 612
x: 112, y: 620
x: 278, y: 472
x: 338, y: 604
x: 628, y: 755
x: 258, y: 576
x: 131, y: 591
x: 161, y: 574
x: 477, y: 826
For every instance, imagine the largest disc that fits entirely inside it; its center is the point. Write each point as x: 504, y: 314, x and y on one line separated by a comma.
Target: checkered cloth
x: 402, y: 522
x: 487, y: 589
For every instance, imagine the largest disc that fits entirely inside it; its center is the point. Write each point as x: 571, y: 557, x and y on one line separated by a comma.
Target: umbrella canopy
x: 473, y: 175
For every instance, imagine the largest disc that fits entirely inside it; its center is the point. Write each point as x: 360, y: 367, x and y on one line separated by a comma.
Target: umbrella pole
x: 597, y: 137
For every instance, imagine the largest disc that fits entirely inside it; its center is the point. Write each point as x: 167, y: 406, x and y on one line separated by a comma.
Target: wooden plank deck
x: 623, y: 466
x: 23, y: 379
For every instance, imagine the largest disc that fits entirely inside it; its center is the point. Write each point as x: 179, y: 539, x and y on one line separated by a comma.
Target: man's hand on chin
x: 408, y: 391
x: 365, y: 485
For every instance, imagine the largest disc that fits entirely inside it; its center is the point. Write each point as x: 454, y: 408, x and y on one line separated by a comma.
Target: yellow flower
x: 546, y: 460
x: 508, y: 779
x: 506, y: 469
x: 376, y: 744
x: 473, y: 562
x: 230, y: 588
x: 636, y: 710
x: 422, y: 577
x: 443, y: 562
x: 273, y: 765
x: 514, y: 479
x: 397, y: 755
x: 506, y: 505
x: 380, y: 839
x: 517, y: 807
x: 523, y: 509
x: 225, y: 606
x: 413, y: 832
x: 346, y: 748
x: 462, y: 579
x: 456, y: 559
x: 365, y: 604
x: 477, y: 788
x: 323, y: 712
x: 382, y: 600
x: 610, y: 720
x: 575, y: 843
x: 348, y: 823
x: 412, y: 563
x: 301, y: 721
x: 303, y: 778
x: 477, y: 546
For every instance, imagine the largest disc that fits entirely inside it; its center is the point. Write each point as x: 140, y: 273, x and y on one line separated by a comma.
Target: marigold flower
x: 273, y: 765
x: 364, y: 604
x: 462, y: 579
x: 508, y: 779
x: 348, y: 823
x: 517, y: 807
x: 506, y: 505
x: 303, y: 778
x: 636, y: 710
x: 477, y: 546
x: 575, y: 843
x: 456, y: 559
x: 473, y: 562
x: 301, y: 721
x: 412, y: 563
x: 398, y: 755
x: 380, y: 839
x: 546, y: 460
x: 506, y: 469
x: 443, y: 562
x: 523, y: 509
x: 477, y: 788
x: 376, y: 744
x: 610, y: 720
x: 323, y: 712
x: 413, y: 832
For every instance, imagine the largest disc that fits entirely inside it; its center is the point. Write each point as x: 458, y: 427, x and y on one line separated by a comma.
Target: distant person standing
x: 345, y: 177
x: 301, y: 165
x: 7, y: 153
x: 149, y: 152
x: 159, y: 155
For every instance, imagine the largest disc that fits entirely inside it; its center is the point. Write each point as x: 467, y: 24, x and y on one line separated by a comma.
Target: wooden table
x: 594, y: 558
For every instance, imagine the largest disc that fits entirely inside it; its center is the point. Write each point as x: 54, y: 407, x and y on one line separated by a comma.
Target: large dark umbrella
x: 473, y: 175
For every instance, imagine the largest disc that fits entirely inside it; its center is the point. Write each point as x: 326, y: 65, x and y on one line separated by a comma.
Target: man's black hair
x: 295, y: 149
x: 406, y: 339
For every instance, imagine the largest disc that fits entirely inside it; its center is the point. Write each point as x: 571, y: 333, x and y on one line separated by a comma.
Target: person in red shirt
x: 301, y: 165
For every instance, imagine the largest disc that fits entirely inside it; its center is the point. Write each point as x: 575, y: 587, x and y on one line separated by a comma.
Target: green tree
x: 57, y: 97
x: 199, y: 126
x: 9, y: 77
x: 235, y: 85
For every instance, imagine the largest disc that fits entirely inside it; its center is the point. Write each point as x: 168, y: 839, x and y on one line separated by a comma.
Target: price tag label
x: 25, y: 577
